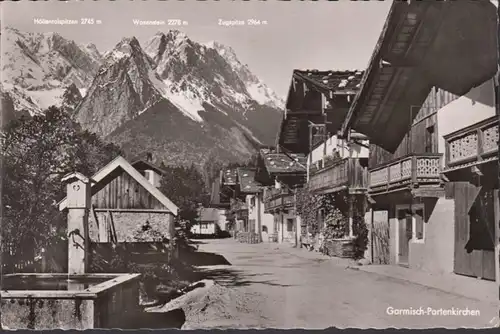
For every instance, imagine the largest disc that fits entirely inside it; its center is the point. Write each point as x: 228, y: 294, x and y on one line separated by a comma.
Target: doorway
x: 410, y: 220
x: 404, y: 236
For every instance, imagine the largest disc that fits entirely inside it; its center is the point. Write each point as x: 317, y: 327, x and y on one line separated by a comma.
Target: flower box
x: 248, y: 237
x: 343, y: 248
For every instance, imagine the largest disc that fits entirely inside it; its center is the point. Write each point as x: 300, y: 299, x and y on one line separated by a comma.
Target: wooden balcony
x: 239, y: 209
x: 418, y: 173
x: 278, y: 199
x: 347, y: 173
x: 474, y: 145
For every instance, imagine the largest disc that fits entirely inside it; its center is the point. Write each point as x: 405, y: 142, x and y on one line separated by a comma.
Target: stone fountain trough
x: 73, y: 300
x: 59, y: 301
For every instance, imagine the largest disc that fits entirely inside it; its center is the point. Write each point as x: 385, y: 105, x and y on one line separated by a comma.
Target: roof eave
x: 368, y: 75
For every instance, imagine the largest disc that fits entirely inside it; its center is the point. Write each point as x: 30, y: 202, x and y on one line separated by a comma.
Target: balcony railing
x: 472, y: 145
x: 347, y: 172
x: 278, y: 199
x: 417, y: 169
x: 238, y: 205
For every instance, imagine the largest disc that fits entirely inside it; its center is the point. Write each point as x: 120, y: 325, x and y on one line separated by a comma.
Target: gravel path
x: 270, y: 287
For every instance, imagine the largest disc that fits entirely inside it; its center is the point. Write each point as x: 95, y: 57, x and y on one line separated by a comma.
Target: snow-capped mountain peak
x: 171, y: 87
x: 37, y: 68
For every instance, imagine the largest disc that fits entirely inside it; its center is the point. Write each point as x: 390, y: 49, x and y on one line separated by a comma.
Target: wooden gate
x: 380, y: 237
x: 474, y: 231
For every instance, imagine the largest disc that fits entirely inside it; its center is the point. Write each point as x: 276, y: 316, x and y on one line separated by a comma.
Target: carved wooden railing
x: 415, y: 169
x: 347, y: 172
x: 238, y: 207
x: 278, y: 199
x: 472, y: 145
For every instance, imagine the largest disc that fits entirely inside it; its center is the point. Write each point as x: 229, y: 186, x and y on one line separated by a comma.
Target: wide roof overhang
x: 451, y: 45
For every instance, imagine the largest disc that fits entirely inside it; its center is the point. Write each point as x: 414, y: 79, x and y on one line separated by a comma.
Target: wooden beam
x: 112, y: 228
x: 496, y: 206
x: 428, y: 192
x: 296, y: 112
x: 132, y: 210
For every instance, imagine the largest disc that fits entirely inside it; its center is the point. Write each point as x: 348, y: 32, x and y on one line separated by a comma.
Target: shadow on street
x: 234, y: 278
x: 204, y: 259
x: 150, y: 320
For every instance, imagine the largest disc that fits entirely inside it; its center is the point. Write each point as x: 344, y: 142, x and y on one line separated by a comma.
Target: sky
x: 319, y: 35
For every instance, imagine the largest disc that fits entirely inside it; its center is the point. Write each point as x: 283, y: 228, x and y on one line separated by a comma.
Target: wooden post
x: 351, y: 213
x: 496, y: 205
x: 101, y: 226
x: 79, y: 200
x: 368, y: 219
x: 259, y: 217
x: 372, y: 228
x: 282, y: 226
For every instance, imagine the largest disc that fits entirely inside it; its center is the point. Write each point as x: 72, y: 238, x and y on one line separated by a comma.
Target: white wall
x: 354, y: 151
x: 203, y: 228
x: 222, y: 219
x: 478, y: 104
x: 283, y: 234
x: 266, y: 219
x: 252, y: 211
x: 153, y: 178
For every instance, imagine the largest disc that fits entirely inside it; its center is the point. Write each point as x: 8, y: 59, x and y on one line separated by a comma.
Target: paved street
x: 293, y: 288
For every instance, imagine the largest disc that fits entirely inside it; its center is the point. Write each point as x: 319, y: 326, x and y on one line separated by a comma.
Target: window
x: 264, y: 229
x: 289, y: 225
x: 204, y: 226
x: 251, y: 222
x: 252, y: 201
x: 429, y: 139
x: 413, y: 220
x: 419, y: 224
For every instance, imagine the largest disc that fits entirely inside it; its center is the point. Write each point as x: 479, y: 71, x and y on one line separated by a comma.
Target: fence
x: 380, y: 238
x: 248, y: 237
x: 17, y: 259
x: 108, y: 257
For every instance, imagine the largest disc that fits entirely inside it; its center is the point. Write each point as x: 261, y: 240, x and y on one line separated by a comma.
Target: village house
x: 225, y: 197
x: 316, y: 106
x: 211, y: 222
x: 260, y: 222
x: 281, y: 174
x: 428, y: 106
x: 124, y: 201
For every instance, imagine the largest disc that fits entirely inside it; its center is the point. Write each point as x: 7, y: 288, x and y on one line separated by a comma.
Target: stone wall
x: 111, y: 309
x: 39, y: 314
x: 127, y: 223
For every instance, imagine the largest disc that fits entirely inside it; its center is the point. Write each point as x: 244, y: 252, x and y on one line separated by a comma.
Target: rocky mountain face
x: 182, y: 100
x: 38, y: 68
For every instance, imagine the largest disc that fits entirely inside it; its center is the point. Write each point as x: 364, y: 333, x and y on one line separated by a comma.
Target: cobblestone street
x: 293, y: 288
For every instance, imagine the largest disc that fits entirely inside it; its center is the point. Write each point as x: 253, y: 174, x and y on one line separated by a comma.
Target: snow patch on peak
x: 188, y: 101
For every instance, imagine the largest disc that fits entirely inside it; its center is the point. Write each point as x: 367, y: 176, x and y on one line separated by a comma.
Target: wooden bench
x: 273, y: 237
x: 307, y: 243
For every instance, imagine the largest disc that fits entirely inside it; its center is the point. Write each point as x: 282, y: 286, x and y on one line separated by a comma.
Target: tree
x: 37, y: 152
x: 211, y: 169
x: 186, y: 188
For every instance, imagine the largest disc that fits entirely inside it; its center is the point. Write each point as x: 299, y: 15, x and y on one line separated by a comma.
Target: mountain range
x: 184, y: 101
